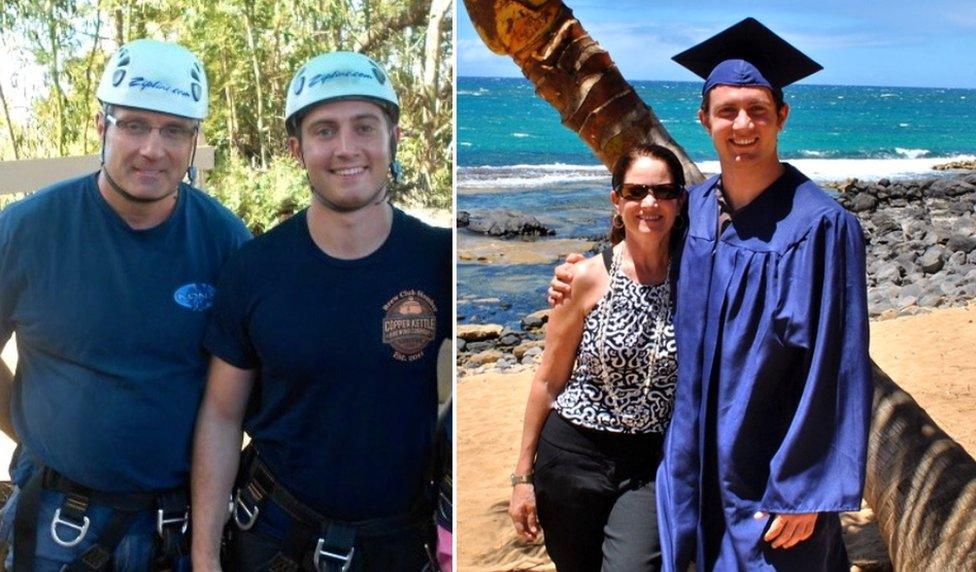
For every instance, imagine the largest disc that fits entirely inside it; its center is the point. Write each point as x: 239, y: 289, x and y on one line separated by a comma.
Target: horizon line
x: 459, y: 77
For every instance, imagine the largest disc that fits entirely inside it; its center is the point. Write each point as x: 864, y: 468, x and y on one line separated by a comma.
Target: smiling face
x: 649, y: 216
x: 744, y: 124
x: 148, y: 166
x: 345, y: 149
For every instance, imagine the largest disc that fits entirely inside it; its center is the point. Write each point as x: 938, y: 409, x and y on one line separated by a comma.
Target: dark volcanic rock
x: 961, y: 207
x: 535, y: 320
x: 509, y: 340
x: 509, y: 224
x: 890, y: 273
x: 478, y: 346
x: 463, y: 219
x: 864, y: 202
x: 961, y: 243
x: 933, y: 259
x: 959, y: 187
x: 884, y: 222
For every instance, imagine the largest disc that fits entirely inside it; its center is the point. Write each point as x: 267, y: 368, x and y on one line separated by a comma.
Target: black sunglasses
x: 665, y: 191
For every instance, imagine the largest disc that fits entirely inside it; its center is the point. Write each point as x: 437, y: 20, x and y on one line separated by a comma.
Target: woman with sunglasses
x: 602, y: 396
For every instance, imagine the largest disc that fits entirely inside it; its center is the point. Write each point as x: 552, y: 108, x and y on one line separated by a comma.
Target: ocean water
x: 513, y: 153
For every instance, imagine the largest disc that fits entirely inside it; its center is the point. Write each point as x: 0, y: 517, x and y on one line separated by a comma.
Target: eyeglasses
x: 136, y: 129
x: 661, y: 192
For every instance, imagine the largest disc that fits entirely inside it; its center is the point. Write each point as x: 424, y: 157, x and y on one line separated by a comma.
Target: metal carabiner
x: 239, y: 506
x: 162, y: 521
x: 82, y: 529
x: 346, y: 559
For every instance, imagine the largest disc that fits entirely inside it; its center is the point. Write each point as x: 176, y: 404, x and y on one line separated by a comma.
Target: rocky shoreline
x: 921, y: 255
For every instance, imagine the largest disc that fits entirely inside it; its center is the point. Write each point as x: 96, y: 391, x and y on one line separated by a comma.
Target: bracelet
x: 525, y: 479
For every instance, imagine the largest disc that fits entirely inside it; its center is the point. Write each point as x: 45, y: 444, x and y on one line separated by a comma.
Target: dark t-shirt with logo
x: 109, y: 323
x: 345, y: 403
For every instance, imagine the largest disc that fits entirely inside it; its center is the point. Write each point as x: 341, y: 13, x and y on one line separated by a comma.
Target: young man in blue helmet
x: 107, y: 281
x: 325, y: 338
x: 768, y: 438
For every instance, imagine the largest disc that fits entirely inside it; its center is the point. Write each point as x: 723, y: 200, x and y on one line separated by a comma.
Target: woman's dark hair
x: 677, y: 172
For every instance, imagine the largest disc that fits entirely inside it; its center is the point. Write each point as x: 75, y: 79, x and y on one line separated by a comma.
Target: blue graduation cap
x: 747, y: 54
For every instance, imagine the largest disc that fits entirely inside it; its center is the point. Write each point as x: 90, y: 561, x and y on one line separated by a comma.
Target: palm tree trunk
x: 921, y: 485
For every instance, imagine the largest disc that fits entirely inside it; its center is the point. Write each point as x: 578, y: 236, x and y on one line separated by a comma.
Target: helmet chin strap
x: 379, y: 196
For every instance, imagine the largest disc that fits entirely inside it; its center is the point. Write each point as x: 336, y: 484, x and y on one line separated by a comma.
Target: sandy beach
x: 929, y: 355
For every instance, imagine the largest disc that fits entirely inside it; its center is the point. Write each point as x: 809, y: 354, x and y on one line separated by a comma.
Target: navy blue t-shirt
x: 345, y: 403
x: 109, y: 324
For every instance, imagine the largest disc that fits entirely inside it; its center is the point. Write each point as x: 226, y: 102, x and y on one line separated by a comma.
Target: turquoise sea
x: 513, y: 153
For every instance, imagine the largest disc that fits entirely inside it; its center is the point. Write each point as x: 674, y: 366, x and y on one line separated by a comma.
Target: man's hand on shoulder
x: 560, y: 287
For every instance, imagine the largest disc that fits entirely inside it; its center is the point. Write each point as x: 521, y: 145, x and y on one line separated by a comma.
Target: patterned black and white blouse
x: 626, y: 366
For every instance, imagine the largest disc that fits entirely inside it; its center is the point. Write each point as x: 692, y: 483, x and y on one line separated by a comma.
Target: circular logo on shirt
x: 195, y: 296
x: 410, y: 323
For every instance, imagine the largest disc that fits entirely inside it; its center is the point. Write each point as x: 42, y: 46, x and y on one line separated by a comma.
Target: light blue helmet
x: 335, y: 76
x: 156, y: 76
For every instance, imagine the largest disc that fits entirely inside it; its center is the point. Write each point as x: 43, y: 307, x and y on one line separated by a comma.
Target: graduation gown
x: 773, y: 401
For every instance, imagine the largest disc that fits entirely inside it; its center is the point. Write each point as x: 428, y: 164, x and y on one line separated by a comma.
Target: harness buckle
x: 82, y: 529
x: 162, y: 521
x: 320, y: 552
x: 238, y: 507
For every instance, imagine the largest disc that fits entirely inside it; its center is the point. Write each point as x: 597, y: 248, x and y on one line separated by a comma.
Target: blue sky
x: 869, y: 42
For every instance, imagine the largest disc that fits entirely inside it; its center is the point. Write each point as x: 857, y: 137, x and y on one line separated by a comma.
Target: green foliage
x: 261, y: 196
x: 250, y: 49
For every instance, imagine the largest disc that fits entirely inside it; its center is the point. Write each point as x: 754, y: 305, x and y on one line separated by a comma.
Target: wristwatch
x: 525, y: 479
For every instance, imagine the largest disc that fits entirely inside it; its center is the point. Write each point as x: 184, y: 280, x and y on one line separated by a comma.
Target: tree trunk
x: 231, y: 109
x: 119, y: 26
x: 921, y: 485
x: 412, y: 15
x: 88, y: 73
x: 438, y: 8
x: 575, y: 75
x: 259, y: 92
x: 10, y: 124
x: 52, y: 35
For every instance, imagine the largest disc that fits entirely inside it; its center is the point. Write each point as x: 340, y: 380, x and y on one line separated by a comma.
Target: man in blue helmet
x: 107, y: 281
x: 768, y: 437
x: 324, y: 340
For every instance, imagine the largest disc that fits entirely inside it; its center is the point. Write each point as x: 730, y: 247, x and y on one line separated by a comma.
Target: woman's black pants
x: 595, y: 498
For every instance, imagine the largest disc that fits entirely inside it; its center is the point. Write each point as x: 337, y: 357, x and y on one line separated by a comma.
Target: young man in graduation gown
x: 329, y: 325
x: 768, y: 437
x: 107, y: 281
x: 767, y: 442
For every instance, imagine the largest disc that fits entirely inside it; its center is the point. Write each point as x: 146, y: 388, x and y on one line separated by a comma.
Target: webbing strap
x: 296, y: 545
x: 331, y: 543
x: 335, y: 548
x: 71, y: 521
x: 25, y: 523
x: 98, y: 556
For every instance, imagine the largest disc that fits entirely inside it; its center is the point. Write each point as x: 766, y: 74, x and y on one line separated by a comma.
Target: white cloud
x: 475, y: 59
